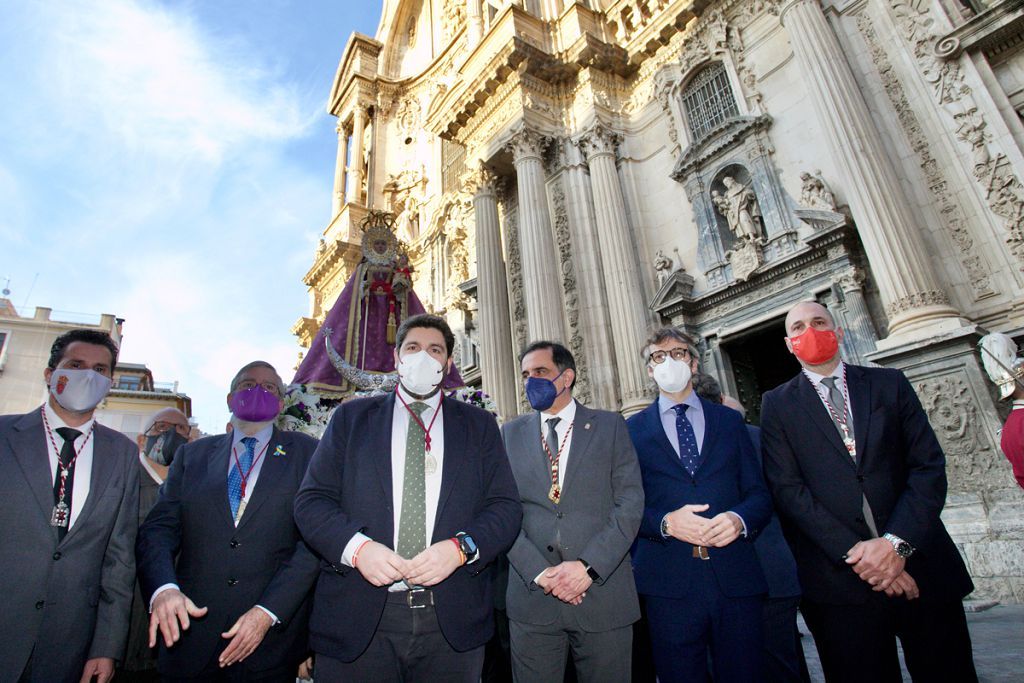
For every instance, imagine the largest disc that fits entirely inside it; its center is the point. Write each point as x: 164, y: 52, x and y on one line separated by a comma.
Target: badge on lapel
x: 279, y: 451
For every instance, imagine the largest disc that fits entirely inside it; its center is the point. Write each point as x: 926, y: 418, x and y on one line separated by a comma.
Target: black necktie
x: 67, y: 455
x: 552, y: 439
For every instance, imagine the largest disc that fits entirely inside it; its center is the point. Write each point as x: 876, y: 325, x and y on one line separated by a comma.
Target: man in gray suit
x: 571, y: 586
x: 69, y: 492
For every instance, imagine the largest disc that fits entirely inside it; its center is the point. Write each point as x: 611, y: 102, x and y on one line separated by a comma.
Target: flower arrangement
x: 476, y: 397
x: 304, y: 412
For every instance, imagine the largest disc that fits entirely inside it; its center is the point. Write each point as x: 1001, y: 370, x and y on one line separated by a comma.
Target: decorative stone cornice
x: 718, y: 139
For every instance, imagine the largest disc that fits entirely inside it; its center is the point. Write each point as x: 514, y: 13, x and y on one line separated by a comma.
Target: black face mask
x: 161, y: 448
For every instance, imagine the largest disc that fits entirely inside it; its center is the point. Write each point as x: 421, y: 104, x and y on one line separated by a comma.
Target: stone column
x: 355, y: 169
x: 339, y: 170
x: 914, y: 300
x: 499, y: 368
x: 860, y: 336
x: 474, y: 22
x: 542, y: 287
x: 621, y: 271
x: 597, y: 340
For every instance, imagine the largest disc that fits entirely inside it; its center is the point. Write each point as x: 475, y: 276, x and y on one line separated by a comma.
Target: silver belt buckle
x: 413, y: 603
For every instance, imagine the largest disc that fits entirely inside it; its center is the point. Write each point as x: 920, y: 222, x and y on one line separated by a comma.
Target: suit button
x: 559, y: 515
x: 56, y: 555
x: 232, y: 582
x: 234, y: 543
x: 40, y: 604
x: 551, y: 549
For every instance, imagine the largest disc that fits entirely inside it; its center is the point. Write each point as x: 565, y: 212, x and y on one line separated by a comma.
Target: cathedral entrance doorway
x: 760, y: 361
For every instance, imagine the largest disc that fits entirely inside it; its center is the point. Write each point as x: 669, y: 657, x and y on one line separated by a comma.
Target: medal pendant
x: 555, y: 494
x: 851, y: 446
x: 60, y: 515
x: 429, y: 465
x: 241, y: 511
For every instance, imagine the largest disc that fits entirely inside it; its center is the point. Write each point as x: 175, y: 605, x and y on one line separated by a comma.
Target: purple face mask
x: 255, y: 404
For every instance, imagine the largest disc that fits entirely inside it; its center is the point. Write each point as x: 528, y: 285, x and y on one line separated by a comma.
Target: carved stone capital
x: 527, y: 144
x: 482, y: 181
x: 599, y: 141
x: 849, y: 279
x: 916, y: 300
x: 341, y: 129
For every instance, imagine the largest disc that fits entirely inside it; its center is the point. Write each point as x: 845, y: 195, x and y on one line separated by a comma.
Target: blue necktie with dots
x: 689, y: 454
x: 235, y: 476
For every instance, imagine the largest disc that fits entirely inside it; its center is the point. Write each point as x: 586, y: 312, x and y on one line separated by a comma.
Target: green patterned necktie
x: 412, y: 527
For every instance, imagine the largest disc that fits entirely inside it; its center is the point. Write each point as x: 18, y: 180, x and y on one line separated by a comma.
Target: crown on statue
x: 380, y: 244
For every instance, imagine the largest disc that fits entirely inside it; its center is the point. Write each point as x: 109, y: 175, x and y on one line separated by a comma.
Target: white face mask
x: 420, y: 372
x: 672, y: 375
x: 78, y: 390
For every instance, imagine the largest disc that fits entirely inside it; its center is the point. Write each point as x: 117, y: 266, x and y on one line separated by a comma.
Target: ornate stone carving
x: 1003, y: 189
x: 662, y: 267
x: 739, y: 206
x: 408, y: 116
x: 917, y: 300
x: 850, y: 279
x: 599, y: 140
x: 950, y: 211
x: 815, y: 192
x: 454, y: 17
x: 482, y: 180
x: 527, y: 143
x: 745, y: 258
x: 572, y: 299
x: 517, y: 299
x: 953, y: 413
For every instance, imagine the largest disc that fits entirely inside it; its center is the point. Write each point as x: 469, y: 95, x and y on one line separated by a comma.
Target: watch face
x: 468, y: 546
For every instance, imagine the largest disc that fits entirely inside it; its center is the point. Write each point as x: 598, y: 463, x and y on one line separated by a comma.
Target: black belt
x: 417, y: 598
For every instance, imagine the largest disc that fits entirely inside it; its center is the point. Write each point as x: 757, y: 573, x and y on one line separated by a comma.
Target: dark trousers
x: 783, y: 654
x: 684, y: 629
x: 236, y: 673
x: 498, y: 652
x: 408, y: 647
x: 539, y: 652
x: 858, y: 642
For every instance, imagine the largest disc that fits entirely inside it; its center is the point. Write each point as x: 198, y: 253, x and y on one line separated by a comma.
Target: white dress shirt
x: 567, y: 415
x: 840, y: 374
x: 83, y: 464
x: 401, y: 423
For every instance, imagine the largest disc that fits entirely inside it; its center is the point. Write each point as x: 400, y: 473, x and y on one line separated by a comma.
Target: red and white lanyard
x: 245, y: 475
x: 841, y: 420
x: 65, y: 471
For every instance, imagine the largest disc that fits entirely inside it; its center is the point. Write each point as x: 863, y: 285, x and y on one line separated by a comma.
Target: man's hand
x: 549, y: 581
x: 876, y: 562
x: 170, y: 608
x: 379, y: 564
x: 571, y: 582
x: 903, y: 585
x: 100, y: 668
x: 305, y: 670
x: 721, y: 530
x: 246, y: 635
x: 434, y: 564
x: 685, y: 525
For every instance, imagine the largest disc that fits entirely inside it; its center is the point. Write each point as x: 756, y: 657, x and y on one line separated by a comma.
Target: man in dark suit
x: 221, y: 563
x: 859, y: 481
x: 571, y: 585
x: 408, y: 500
x: 69, y: 491
x: 705, y: 501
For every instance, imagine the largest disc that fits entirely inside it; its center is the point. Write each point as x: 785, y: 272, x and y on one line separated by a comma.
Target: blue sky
x: 171, y: 163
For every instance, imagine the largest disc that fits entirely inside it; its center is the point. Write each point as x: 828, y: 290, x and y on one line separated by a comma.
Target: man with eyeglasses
x: 705, y: 501
x: 221, y: 562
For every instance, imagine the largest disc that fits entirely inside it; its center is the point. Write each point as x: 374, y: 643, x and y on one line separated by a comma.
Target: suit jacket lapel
x: 810, y: 402
x: 221, y: 459
x: 711, y: 432
x: 379, y: 450
x: 858, y: 386
x: 274, y: 466
x: 28, y: 444
x: 582, y: 433
x: 454, y: 453
x: 101, y: 473
x: 652, y: 415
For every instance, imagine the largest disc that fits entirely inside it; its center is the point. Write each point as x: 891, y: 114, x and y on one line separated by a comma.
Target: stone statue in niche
x: 739, y: 206
x: 815, y: 192
x: 662, y: 266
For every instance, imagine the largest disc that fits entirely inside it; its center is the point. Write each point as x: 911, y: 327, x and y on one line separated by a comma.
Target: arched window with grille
x: 708, y: 100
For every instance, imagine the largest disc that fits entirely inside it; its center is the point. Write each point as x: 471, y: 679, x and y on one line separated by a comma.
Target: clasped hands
x: 877, y: 562
x: 686, y: 525
x: 382, y: 566
x: 567, y: 581
x: 171, y: 614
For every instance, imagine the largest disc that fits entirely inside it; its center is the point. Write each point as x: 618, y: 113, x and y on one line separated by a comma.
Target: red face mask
x: 815, y: 346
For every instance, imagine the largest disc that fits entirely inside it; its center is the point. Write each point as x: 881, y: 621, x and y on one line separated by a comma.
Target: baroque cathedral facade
x: 581, y: 171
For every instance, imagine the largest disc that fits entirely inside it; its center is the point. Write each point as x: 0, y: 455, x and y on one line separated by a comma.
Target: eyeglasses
x: 658, y: 357
x: 247, y: 384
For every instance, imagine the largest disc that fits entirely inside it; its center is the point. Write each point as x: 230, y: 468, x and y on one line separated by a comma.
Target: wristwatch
x: 664, y: 526
x: 903, y: 549
x: 591, y: 572
x: 468, y: 547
